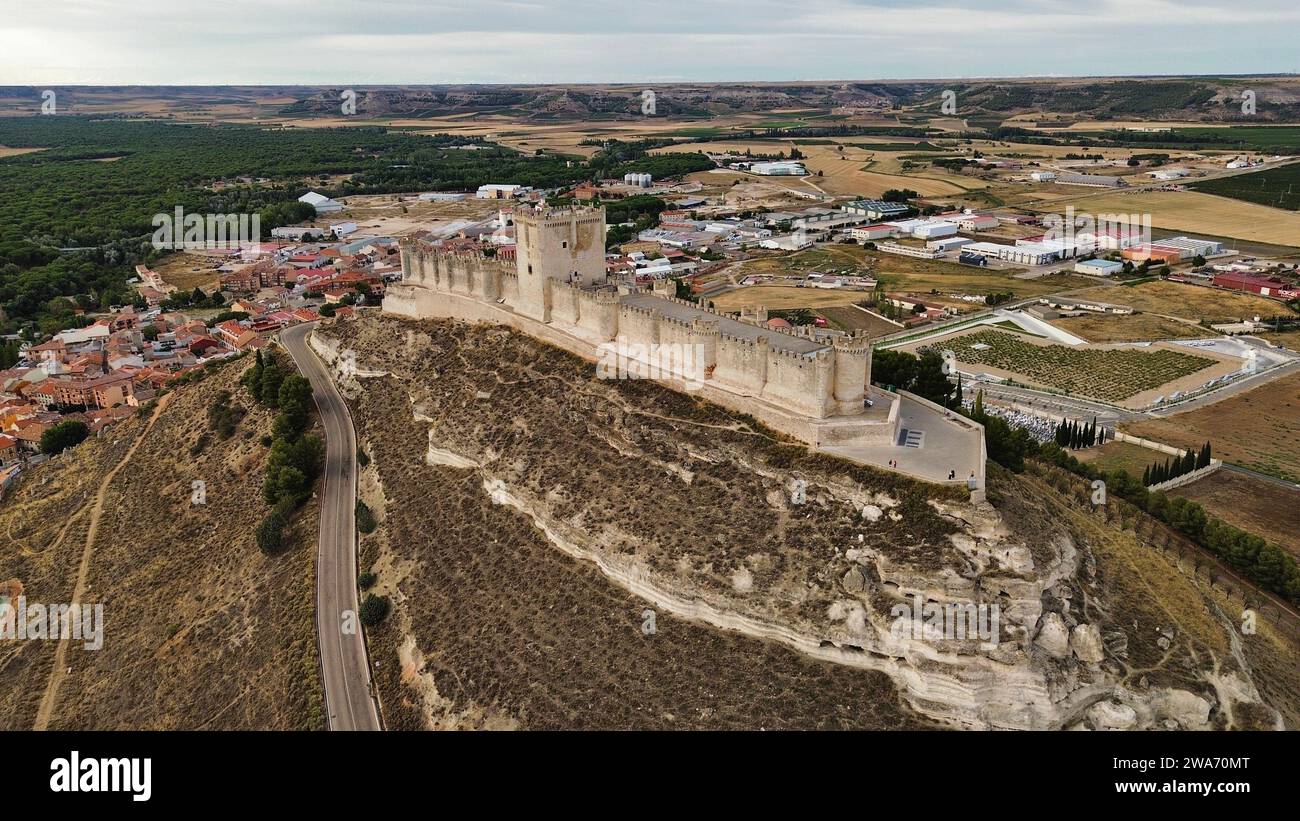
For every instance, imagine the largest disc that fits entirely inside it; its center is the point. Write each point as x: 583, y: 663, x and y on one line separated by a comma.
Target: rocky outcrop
x: 990, y: 624
x: 1085, y: 643
x: 1053, y: 637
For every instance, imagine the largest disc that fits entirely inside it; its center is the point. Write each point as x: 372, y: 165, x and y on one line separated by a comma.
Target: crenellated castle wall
x: 766, y: 369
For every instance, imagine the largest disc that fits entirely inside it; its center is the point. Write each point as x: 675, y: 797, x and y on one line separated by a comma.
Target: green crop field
x: 1281, y: 139
x: 1278, y: 187
x: 1111, y: 376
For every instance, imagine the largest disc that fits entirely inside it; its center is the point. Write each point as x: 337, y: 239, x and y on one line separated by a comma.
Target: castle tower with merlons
x: 562, y: 244
x: 810, y: 384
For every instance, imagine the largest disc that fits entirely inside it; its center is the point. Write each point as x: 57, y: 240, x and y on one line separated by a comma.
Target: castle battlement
x: 557, y: 285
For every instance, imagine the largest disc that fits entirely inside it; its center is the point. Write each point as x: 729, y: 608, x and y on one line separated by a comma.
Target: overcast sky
x: 332, y: 42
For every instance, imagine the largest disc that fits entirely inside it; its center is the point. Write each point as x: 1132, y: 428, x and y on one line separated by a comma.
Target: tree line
x: 295, y: 457
x: 1172, y: 468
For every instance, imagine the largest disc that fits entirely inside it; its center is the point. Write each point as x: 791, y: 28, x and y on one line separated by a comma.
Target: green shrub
x: 366, y: 580
x: 365, y: 518
x: 64, y: 435
x: 270, y: 533
x: 373, y: 609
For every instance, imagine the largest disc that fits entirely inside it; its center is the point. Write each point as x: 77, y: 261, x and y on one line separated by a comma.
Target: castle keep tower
x: 852, y: 373
x: 566, y: 245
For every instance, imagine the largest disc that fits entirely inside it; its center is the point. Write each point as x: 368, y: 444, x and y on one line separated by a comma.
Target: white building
x: 1028, y: 254
x: 975, y: 222
x: 948, y: 243
x: 933, y: 229
x: 495, y: 191
x: 868, y: 233
x: 1098, y: 267
x: 1091, y: 180
x: 295, y: 232
x: 787, y: 242
x: 908, y: 250
x: 785, y: 168
x: 342, y: 228
x: 1169, y: 173
x: 1042, y: 176
x: 322, y: 203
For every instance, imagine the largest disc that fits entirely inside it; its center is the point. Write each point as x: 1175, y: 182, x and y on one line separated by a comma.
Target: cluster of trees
x: 9, y: 352
x: 1006, y: 444
x: 59, y: 437
x: 635, y: 209
x: 1266, y: 564
x: 296, y: 457
x: 1073, y: 435
x: 1173, y: 468
x: 73, y: 227
x: 641, y: 211
x: 617, y: 158
x: 898, y: 195
x: 921, y: 375
x: 193, y: 299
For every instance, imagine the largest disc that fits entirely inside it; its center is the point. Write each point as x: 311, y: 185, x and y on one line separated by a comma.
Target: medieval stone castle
x: 813, y: 386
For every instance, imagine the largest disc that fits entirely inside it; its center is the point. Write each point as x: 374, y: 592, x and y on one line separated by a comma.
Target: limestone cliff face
x: 706, y: 516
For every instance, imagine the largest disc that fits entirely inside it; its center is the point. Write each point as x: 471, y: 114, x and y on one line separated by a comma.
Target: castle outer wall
x: 807, y: 389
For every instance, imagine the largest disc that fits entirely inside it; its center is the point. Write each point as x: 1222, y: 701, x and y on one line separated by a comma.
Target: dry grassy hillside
x: 201, y: 629
x: 496, y: 460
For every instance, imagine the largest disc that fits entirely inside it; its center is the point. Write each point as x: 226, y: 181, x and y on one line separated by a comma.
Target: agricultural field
x: 1266, y: 139
x: 784, y: 297
x: 1193, y: 212
x: 908, y: 274
x: 188, y: 271
x: 1275, y: 187
x: 1104, y: 328
x: 850, y: 318
x: 852, y: 171
x: 1252, y: 504
x: 1194, y: 302
x: 1256, y: 429
x: 1108, y: 375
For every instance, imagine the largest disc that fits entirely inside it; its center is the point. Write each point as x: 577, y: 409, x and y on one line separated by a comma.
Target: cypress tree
x: 1146, y: 476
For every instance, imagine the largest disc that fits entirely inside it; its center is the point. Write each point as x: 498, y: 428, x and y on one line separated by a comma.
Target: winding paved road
x: 345, y: 669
